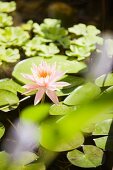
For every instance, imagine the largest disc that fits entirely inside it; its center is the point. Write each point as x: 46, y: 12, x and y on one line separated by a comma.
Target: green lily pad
x: 91, y: 158
x: 105, y: 143
x: 73, y: 81
x: 103, y: 127
x: 61, y: 62
x: 61, y: 109
x: 10, y: 85
x: 8, y: 100
x: 105, y: 80
x: 83, y: 94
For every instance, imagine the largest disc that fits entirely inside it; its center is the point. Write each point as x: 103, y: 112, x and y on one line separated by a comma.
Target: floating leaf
x: 61, y: 109
x: 105, y: 80
x: 82, y: 94
x: 61, y: 62
x: 105, y: 143
x: 10, y: 85
x: 73, y: 81
x: 103, y: 127
x: 88, y: 159
x: 8, y: 100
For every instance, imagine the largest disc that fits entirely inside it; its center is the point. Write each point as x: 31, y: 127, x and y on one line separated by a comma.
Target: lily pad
x: 105, y: 143
x: 61, y: 109
x: 10, y: 85
x: 61, y: 62
x: 105, y: 80
x: 103, y: 127
x: 83, y: 94
x: 8, y: 100
x: 91, y: 158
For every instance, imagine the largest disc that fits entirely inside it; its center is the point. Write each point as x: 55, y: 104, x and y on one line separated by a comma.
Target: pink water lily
x: 44, y: 80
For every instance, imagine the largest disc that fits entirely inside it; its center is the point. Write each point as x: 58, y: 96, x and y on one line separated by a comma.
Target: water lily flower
x: 44, y: 80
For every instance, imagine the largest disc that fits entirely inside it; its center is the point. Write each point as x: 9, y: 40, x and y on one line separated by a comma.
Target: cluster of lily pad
x: 85, y: 107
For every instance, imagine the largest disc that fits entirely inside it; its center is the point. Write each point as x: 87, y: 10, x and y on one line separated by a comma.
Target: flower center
x: 44, y: 74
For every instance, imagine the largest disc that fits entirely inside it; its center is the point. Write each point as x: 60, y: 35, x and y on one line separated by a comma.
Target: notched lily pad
x: 91, y: 158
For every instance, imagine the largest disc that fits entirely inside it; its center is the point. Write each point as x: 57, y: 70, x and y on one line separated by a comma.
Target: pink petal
x: 34, y: 70
x: 62, y: 84
x: 39, y: 95
x: 52, y: 95
x: 56, y: 76
x: 30, y: 88
x: 28, y: 76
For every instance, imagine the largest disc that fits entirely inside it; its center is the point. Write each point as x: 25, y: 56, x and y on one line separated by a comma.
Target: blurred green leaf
x: 38, y: 166
x: 88, y: 159
x: 5, y: 20
x: 9, y: 55
x: 82, y: 29
x: 48, y: 50
x: 35, y: 113
x: 51, y: 29
x: 13, y: 36
x: 7, y: 6
x: 25, y: 158
x: 27, y: 26
x: 76, y: 142
x: 52, y: 130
